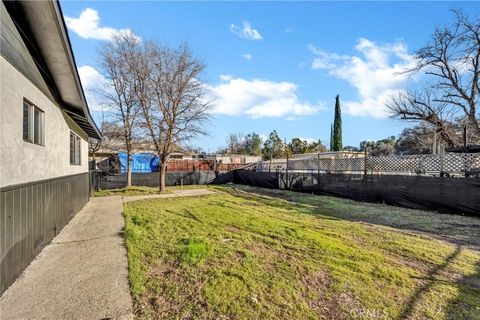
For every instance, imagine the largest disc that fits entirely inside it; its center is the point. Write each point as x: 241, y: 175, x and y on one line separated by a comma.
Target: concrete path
x: 83, y: 272
x: 176, y: 193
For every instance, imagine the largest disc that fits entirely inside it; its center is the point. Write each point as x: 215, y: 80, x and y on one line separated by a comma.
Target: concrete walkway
x: 83, y: 272
x: 174, y: 194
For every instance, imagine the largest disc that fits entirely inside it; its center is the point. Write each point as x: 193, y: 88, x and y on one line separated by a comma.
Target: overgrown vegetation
x: 238, y: 255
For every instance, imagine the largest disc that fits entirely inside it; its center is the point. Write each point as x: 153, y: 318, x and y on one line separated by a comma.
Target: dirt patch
x: 232, y: 229
x: 239, y: 256
x: 317, y: 285
x: 262, y: 252
x: 160, y: 300
x: 252, y: 204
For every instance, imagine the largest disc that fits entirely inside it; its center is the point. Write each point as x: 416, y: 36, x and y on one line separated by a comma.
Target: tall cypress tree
x: 331, y: 137
x: 337, y: 126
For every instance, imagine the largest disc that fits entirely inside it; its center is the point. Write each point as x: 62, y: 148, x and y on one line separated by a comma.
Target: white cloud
x: 288, y: 30
x: 246, y: 32
x: 247, y: 56
x: 93, y: 83
x: 87, y: 26
x: 376, y: 73
x: 226, y: 77
x: 325, y: 60
x: 259, y: 98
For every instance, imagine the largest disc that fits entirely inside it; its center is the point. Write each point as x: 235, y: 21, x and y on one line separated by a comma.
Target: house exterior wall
x: 21, y: 161
x: 39, y: 190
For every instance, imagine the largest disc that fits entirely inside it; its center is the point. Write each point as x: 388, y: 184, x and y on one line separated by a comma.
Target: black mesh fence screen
x: 252, y: 178
x: 453, y: 195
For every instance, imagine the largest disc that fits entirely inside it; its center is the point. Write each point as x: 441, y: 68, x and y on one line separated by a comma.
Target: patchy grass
x: 138, y: 191
x: 237, y: 255
x: 454, y: 228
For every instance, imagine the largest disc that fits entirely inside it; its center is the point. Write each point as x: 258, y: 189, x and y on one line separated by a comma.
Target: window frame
x: 31, y: 120
x: 76, y: 156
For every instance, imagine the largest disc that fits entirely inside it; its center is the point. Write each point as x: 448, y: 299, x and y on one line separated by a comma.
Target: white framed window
x: 33, y: 124
x: 75, y: 149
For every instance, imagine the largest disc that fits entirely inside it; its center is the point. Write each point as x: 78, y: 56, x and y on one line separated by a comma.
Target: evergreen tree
x: 331, y: 137
x: 273, y: 147
x: 337, y: 126
x: 253, y: 144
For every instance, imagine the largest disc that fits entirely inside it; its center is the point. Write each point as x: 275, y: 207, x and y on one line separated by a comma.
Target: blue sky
x: 277, y: 65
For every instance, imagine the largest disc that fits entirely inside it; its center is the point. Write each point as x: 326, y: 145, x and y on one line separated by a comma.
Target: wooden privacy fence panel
x: 200, y: 165
x: 190, y: 165
x: 452, y: 163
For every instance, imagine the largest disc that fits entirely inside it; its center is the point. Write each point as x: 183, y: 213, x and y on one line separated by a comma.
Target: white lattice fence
x: 451, y: 163
x: 415, y: 163
x: 341, y: 165
x: 409, y: 164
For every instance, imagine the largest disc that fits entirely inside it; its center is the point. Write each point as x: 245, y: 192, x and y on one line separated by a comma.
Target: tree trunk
x: 163, y: 171
x: 129, y: 170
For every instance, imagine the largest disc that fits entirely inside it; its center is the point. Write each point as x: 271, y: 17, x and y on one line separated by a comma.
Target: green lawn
x: 238, y: 255
x: 137, y: 191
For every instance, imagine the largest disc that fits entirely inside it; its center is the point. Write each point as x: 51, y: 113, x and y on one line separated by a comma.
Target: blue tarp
x: 141, y: 162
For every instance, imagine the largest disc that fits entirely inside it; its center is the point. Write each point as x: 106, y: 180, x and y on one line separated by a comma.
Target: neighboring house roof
x: 43, y: 30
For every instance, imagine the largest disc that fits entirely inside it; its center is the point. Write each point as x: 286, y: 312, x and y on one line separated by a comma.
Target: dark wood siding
x: 31, y: 215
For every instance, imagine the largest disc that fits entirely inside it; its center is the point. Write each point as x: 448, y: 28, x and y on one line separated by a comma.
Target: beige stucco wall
x: 20, y: 161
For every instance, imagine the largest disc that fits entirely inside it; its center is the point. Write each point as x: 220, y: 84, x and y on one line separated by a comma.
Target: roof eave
x: 90, y: 127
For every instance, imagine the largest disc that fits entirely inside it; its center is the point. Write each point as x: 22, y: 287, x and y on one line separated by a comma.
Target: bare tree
x: 113, y: 139
x: 116, y: 59
x: 420, y: 139
x: 420, y: 105
x: 236, y: 143
x: 171, y: 97
x: 94, y: 145
x: 451, y: 62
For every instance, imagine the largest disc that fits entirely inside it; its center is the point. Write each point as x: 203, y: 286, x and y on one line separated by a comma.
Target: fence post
x: 441, y: 155
x: 318, y: 169
x: 286, y: 174
x: 365, y: 163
